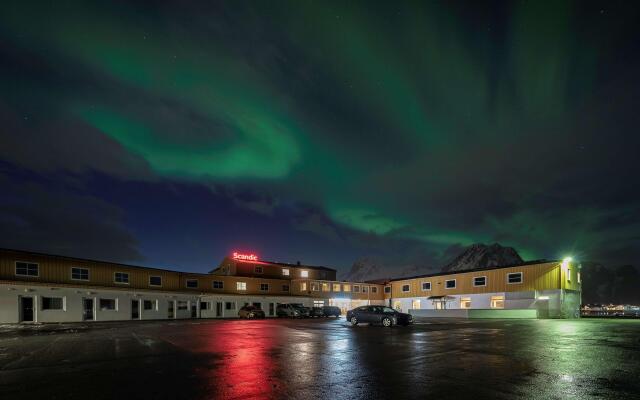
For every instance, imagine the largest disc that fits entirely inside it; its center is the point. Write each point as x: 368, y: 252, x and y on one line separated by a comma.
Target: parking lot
x: 323, y: 358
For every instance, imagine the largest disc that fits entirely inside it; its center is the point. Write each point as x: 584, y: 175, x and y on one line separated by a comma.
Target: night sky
x: 171, y: 133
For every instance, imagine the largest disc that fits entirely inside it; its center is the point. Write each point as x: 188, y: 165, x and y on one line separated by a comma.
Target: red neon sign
x: 245, y: 257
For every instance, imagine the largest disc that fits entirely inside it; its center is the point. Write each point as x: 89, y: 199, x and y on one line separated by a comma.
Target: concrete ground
x: 312, y: 359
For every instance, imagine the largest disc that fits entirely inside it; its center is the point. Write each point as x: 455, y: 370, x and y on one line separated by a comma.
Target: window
x: 346, y: 287
x: 285, y: 288
x: 480, y: 281
x: 387, y: 289
x: 465, y: 302
x: 450, y: 284
x: 497, y: 301
x: 304, y: 273
x: 257, y: 269
x: 285, y: 271
x: 79, y: 274
x: 264, y: 287
x: 26, y: 268
x: 336, y: 287
x: 315, y: 286
x: 205, y: 305
x: 579, y: 277
x: 107, y: 304
x: 52, y: 303
x: 303, y: 286
x: 182, y: 305
x: 218, y: 285
x: 365, y: 289
x: 155, y: 281
x: 325, y: 287
x: 514, y: 277
x: 426, y: 286
x: 241, y: 285
x: 406, y: 288
x: 374, y: 289
x: 318, y: 303
x: 568, y: 274
x: 121, y: 277
x: 192, y: 283
x: 323, y: 274
x: 150, y: 304
x: 229, y: 305
x: 356, y: 288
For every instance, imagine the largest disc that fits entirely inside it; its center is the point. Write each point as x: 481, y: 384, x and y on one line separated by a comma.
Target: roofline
x: 319, y: 267
x: 524, y: 264
x: 35, y: 253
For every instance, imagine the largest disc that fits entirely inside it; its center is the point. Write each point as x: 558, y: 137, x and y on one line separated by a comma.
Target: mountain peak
x: 480, y: 255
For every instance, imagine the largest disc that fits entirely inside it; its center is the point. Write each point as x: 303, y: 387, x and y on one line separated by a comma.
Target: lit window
x: 405, y: 288
x: 374, y: 289
x: 155, y: 281
x: 415, y: 304
x: 315, y: 286
x: 192, y: 283
x: 26, y: 268
x: 218, y: 285
x: 318, y: 303
x: 387, y: 289
x: 450, y: 284
x: 79, y: 274
x: 514, y: 277
x: 465, y: 302
x: 264, y: 287
x: 304, y: 273
x: 426, y: 286
x: 336, y: 287
x: 285, y: 271
x: 121, y: 277
x: 497, y: 301
x: 52, y: 303
x: 303, y: 286
x: 568, y: 274
x: 480, y: 281
x: 346, y: 287
x: 241, y: 285
x: 325, y: 287
x: 257, y: 269
x: 579, y: 278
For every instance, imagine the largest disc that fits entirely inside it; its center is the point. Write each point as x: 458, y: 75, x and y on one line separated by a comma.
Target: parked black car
x: 378, y: 315
x: 304, y: 311
x: 316, y: 312
x: 331, y: 311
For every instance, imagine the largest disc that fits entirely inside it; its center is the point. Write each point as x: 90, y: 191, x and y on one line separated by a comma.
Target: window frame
x: 446, y: 283
x: 154, y: 305
x: 63, y: 303
x: 115, y: 303
x: 241, y: 286
x: 356, y: 288
x: 80, y: 279
x: 476, y: 277
x: 373, y: 289
x: 387, y: 289
x: 422, y: 286
x: 186, y: 283
x: 304, y: 273
x: 155, y: 276
x: 285, y: 272
x: 515, y: 273
x: 213, y: 285
x: 258, y: 269
x: 15, y: 270
x: 288, y: 288
x: 265, y: 285
x: 406, y: 285
x: 122, y: 273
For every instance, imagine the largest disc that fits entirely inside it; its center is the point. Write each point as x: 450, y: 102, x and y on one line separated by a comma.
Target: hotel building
x: 37, y: 287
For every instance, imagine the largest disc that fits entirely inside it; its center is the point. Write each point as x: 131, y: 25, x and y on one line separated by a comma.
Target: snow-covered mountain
x: 480, y: 255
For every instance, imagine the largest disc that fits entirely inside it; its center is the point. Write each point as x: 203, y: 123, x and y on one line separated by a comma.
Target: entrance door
x: 170, y: 312
x: 26, y: 309
x: 87, y: 309
x: 194, y: 310
x: 135, y: 309
x: 219, y: 309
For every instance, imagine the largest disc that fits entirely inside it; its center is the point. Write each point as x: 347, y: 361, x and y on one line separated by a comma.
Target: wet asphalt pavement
x: 311, y: 359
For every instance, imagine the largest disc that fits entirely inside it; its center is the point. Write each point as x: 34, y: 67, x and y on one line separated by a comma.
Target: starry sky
x: 172, y: 133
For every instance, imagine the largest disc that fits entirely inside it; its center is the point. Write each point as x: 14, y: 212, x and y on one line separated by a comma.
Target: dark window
x: 52, y: 303
x: 204, y: 305
x: 405, y: 288
x: 121, y: 277
x: 426, y: 285
x: 155, y: 281
x: 26, y: 268
x: 387, y: 289
x: 182, y: 305
x: 229, y: 305
x: 264, y: 287
x: 257, y: 270
x: 356, y: 289
x: 374, y: 289
x: 515, y: 277
x: 258, y: 306
x: 450, y: 284
x: 365, y: 289
x: 192, y: 283
x: 285, y: 288
x: 218, y: 285
x: 480, y: 281
x: 80, y: 274
x: 107, y: 304
x: 149, y: 304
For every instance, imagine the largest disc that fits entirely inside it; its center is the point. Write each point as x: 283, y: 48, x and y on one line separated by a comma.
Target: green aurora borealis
x: 420, y: 125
